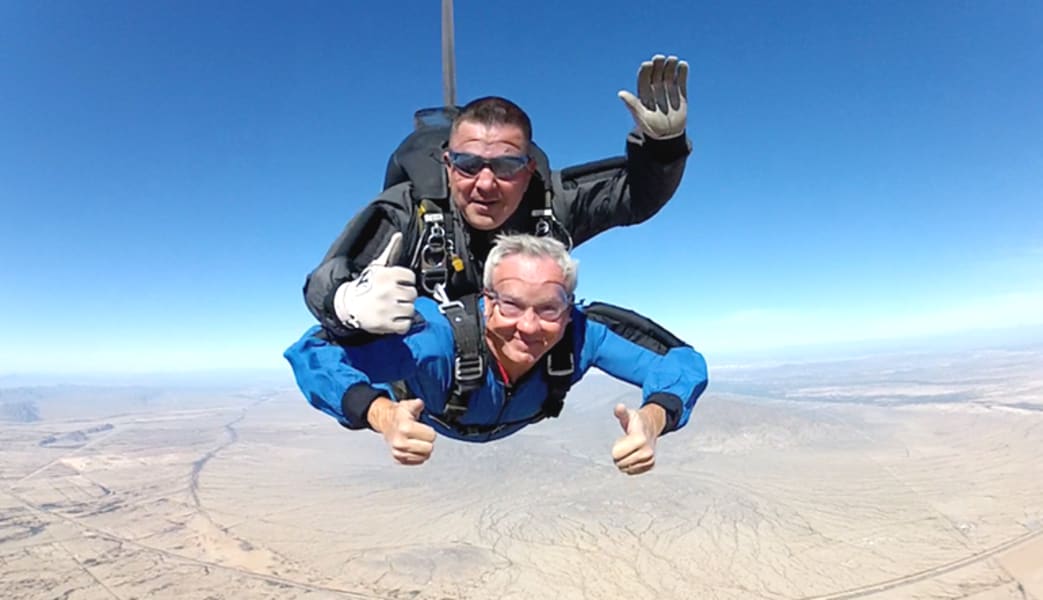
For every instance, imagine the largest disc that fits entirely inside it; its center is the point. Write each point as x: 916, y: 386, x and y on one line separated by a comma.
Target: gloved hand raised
x: 660, y: 109
x: 381, y: 299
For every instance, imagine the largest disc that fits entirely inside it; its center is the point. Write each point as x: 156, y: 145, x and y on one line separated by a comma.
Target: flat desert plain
x: 904, y: 476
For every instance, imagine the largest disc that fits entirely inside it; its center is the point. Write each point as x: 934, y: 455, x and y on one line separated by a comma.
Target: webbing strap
x: 469, y: 364
x: 549, y: 225
x: 433, y: 252
x: 558, y: 368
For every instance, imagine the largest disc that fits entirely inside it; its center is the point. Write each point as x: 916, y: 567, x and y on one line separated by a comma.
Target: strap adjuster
x: 451, y: 412
x: 568, y: 370
x: 469, y: 369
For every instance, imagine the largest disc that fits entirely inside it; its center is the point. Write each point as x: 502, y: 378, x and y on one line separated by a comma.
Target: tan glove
x: 660, y: 109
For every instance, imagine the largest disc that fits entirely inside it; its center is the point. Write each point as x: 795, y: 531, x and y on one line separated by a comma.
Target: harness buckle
x: 569, y: 370
x: 469, y: 368
x: 444, y: 305
x: 432, y: 279
x: 452, y: 412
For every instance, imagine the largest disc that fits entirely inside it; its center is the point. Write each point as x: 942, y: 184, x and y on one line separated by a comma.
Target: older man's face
x: 527, y: 309
x: 487, y: 199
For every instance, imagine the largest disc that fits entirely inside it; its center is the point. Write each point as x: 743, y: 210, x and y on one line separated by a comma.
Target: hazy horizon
x: 1022, y: 337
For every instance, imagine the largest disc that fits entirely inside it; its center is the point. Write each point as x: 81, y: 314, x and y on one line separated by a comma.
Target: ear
x: 487, y: 307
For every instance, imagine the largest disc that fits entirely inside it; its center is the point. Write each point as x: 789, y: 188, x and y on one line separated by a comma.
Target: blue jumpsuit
x: 342, y: 381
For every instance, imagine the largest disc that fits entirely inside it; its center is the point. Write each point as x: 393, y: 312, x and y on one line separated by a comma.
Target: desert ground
x: 903, y: 476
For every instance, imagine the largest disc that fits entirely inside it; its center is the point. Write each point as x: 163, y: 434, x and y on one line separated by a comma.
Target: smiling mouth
x: 532, y: 346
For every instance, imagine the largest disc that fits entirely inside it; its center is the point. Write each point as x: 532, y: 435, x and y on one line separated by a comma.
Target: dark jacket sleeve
x: 357, y: 245
x: 617, y: 193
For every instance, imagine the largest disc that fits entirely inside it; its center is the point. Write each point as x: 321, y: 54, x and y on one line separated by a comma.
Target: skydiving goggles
x: 507, y: 166
x: 512, y: 307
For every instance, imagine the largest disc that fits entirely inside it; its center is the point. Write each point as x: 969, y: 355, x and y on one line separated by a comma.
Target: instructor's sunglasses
x: 503, y: 167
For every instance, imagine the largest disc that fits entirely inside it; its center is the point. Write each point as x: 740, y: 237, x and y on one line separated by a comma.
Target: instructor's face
x: 486, y: 200
x: 527, y: 310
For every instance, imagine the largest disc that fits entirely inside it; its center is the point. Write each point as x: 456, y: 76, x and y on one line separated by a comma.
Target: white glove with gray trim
x: 381, y: 299
x: 661, y: 107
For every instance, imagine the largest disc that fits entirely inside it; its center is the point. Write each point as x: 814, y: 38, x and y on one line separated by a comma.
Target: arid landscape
x: 902, y: 476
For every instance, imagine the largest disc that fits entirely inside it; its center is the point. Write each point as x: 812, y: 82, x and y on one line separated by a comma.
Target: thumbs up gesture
x: 381, y: 300
x: 634, y: 453
x: 411, y: 441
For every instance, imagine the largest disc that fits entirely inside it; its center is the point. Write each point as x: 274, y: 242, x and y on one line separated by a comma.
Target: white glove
x: 661, y: 108
x: 381, y: 299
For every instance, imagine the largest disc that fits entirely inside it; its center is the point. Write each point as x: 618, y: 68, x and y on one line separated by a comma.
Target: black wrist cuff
x: 666, y: 151
x: 356, y: 402
x: 673, y: 407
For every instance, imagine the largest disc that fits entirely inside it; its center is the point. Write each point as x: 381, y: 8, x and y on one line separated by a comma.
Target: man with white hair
x: 536, y: 344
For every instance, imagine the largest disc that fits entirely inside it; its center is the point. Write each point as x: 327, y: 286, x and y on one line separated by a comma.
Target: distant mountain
x: 20, y: 411
x: 210, y: 378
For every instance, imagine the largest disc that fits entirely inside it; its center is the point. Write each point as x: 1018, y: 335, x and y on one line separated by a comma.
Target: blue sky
x: 170, y: 171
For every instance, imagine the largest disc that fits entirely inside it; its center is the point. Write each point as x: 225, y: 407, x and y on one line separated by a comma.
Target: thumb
x: 415, y: 406
x: 389, y: 256
x: 633, y: 104
x: 623, y: 415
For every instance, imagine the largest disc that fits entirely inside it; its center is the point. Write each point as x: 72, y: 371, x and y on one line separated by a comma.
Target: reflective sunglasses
x: 513, y: 308
x: 503, y: 167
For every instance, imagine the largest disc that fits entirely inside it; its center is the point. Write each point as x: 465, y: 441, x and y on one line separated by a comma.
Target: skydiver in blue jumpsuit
x: 536, y: 342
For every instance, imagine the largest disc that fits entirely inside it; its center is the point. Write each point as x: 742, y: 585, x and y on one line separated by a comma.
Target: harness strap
x: 549, y: 225
x: 433, y: 253
x: 469, y: 364
x: 558, y: 368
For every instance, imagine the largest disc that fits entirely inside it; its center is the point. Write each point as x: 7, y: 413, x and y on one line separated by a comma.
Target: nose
x: 528, y: 323
x: 485, y: 180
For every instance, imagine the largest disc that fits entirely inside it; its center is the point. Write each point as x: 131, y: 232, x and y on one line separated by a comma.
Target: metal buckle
x: 431, y: 279
x: 542, y: 228
x: 558, y: 372
x: 445, y: 306
x: 452, y: 413
x: 469, y: 369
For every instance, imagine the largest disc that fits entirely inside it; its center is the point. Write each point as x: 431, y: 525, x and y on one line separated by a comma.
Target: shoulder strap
x: 634, y: 327
x: 469, y: 364
x: 558, y: 368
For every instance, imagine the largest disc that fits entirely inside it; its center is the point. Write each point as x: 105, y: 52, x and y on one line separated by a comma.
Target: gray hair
x: 529, y: 245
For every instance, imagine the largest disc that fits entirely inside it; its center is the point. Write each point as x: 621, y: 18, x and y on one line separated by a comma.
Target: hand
x: 411, y: 441
x: 634, y: 453
x: 381, y: 299
x: 661, y: 108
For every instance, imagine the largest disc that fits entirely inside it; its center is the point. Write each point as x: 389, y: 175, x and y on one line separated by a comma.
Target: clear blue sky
x: 170, y: 171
